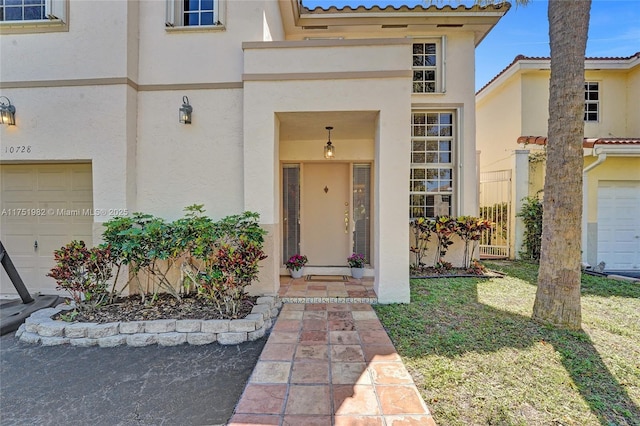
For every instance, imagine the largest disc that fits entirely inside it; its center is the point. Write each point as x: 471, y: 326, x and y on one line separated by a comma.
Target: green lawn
x: 478, y: 359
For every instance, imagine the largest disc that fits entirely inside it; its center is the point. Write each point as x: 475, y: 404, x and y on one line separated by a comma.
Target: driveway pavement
x: 179, y: 385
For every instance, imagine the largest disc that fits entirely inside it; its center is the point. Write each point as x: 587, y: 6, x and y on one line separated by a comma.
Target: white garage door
x: 44, y: 206
x: 619, y: 224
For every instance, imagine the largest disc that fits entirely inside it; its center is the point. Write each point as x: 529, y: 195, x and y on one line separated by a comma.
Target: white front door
x: 325, y: 214
x: 619, y: 224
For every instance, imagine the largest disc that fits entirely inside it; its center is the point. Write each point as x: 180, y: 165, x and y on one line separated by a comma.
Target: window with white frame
x: 194, y: 13
x: 426, y: 66
x: 17, y: 11
x: 591, y: 101
x: 431, y: 180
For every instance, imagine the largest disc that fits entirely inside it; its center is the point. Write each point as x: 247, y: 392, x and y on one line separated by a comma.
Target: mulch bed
x: 165, y: 306
x: 431, y: 272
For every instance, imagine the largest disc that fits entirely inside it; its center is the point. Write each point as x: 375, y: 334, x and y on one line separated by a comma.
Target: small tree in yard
x: 84, y: 273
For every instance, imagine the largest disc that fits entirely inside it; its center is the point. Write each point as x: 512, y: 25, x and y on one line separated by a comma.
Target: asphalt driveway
x: 152, y: 385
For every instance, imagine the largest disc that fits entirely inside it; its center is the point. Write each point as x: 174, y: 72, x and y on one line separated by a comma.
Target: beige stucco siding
x: 178, y: 164
x: 633, y: 106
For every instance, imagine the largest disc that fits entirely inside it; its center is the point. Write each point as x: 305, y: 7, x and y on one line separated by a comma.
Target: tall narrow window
x: 361, y: 209
x: 426, y: 65
x: 431, y: 180
x: 290, y: 210
x: 591, y: 101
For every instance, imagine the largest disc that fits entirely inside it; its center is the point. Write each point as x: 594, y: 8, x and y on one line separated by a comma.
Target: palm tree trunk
x: 558, y: 295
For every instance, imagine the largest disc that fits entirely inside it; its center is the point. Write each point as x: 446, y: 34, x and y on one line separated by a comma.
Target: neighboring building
x: 97, y: 87
x: 512, y: 115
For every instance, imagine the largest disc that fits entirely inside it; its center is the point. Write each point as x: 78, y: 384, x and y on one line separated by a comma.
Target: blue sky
x: 613, y: 31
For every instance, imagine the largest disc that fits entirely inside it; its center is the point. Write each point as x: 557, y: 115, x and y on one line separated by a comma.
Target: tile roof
x: 405, y: 8
x: 547, y: 58
x: 586, y: 143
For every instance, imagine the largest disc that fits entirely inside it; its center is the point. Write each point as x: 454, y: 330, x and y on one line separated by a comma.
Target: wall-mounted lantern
x: 7, y: 112
x: 185, y: 111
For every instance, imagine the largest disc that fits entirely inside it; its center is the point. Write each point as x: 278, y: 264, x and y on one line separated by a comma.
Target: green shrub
x: 531, y: 214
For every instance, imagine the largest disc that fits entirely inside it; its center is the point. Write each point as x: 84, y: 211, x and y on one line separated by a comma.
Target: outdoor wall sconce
x: 329, y: 150
x: 185, y: 111
x: 7, y: 112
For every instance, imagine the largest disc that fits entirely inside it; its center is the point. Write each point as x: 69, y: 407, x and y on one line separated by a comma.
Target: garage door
x: 44, y: 206
x: 619, y: 224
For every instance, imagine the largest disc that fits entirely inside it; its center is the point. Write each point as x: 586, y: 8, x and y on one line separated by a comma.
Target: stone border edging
x: 40, y: 328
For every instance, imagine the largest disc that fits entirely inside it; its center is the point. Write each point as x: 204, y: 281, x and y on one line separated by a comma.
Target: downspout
x: 602, y: 156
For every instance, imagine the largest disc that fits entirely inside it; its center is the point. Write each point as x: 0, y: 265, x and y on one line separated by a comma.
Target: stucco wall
x: 98, y: 41
x: 180, y: 164
x: 633, y: 106
x: 498, y: 123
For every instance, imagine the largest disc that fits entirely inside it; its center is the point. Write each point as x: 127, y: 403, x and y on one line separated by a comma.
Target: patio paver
x: 341, y: 369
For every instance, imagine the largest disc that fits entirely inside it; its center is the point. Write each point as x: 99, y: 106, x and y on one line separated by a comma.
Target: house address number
x: 17, y: 149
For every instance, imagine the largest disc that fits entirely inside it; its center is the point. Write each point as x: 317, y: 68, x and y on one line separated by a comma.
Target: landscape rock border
x: 40, y: 328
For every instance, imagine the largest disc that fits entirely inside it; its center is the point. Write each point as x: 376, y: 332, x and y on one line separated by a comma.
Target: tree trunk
x: 558, y: 295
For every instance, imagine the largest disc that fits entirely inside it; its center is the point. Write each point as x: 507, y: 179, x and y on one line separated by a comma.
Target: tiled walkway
x: 330, y: 364
x: 331, y: 290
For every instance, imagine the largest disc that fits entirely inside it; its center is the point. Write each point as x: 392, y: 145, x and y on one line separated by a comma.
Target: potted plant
x: 357, y: 261
x: 295, y: 264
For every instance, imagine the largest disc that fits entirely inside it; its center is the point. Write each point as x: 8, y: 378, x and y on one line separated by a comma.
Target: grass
x: 478, y: 359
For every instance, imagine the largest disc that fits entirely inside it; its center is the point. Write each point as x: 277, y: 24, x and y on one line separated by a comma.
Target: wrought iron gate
x: 495, y: 206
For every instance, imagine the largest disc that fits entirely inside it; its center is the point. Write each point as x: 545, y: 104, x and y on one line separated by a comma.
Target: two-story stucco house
x: 97, y: 87
x: 512, y: 117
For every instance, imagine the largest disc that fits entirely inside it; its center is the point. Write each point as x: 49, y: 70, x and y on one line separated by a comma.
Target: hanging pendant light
x: 329, y: 149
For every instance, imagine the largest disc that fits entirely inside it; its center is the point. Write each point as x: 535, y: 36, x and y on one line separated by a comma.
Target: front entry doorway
x: 326, y: 212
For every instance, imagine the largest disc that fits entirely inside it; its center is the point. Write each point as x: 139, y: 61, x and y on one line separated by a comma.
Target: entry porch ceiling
x: 355, y: 125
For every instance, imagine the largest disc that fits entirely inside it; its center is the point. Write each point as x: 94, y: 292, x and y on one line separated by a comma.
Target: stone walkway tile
x: 378, y: 337
x: 278, y: 352
x: 340, y: 315
x: 308, y: 400
x: 390, y: 373
x: 380, y: 353
x: 346, y: 353
x: 286, y: 325
x: 350, y: 373
x: 359, y: 421
x: 342, y: 325
x: 315, y: 307
x: 355, y: 399
x: 337, y: 307
x: 271, y: 372
x: 361, y: 307
x: 306, y: 421
x: 369, y: 325
x: 309, y: 352
x: 254, y: 420
x: 283, y: 337
x: 262, y: 399
x: 314, y: 324
x: 292, y: 307
x: 317, y: 315
x: 400, y: 399
x: 310, y: 372
x: 344, y: 338
x: 314, y: 337
x: 291, y: 315
x: 364, y: 315
x: 410, y: 421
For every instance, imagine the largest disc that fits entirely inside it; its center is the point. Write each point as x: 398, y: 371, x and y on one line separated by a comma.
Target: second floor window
x: 193, y: 13
x: 22, y: 10
x: 426, y: 67
x: 591, y: 101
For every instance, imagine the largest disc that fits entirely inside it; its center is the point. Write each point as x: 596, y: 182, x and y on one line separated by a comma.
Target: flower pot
x: 296, y: 273
x: 357, y: 272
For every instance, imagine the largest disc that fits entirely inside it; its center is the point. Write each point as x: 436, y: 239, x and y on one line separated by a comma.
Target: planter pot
x: 357, y: 272
x: 296, y: 273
